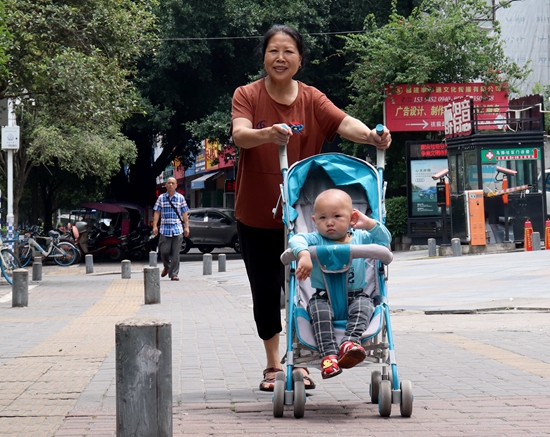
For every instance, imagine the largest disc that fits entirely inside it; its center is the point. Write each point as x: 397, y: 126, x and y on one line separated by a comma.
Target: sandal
x: 270, y: 381
x: 308, y: 382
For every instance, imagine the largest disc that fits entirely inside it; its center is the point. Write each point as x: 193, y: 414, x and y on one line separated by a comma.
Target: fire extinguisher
x: 528, y: 235
x: 547, y: 235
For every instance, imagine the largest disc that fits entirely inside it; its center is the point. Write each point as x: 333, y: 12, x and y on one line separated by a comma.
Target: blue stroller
x: 301, y: 185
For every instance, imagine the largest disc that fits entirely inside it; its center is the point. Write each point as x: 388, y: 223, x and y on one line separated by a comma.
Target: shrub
x: 396, y: 215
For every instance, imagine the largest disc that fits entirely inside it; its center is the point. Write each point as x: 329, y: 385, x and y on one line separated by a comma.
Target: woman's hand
x: 280, y: 134
x: 381, y: 142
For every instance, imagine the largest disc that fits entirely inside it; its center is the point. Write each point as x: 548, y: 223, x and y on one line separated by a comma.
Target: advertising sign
x: 422, y: 107
x: 424, y: 191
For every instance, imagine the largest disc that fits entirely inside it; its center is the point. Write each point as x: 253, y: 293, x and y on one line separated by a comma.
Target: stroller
x: 364, y: 183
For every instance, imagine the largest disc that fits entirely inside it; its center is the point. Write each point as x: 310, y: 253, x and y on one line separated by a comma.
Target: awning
x: 198, y: 184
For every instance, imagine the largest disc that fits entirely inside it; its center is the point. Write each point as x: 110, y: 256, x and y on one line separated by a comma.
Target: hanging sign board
x: 421, y: 108
x: 10, y: 138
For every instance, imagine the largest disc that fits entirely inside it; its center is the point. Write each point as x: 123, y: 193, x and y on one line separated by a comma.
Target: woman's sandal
x: 308, y: 382
x: 270, y: 382
x: 311, y: 384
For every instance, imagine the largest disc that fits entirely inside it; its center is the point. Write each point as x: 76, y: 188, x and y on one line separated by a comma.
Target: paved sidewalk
x: 471, y: 333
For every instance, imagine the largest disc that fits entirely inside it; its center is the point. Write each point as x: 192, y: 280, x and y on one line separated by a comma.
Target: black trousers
x: 261, y: 250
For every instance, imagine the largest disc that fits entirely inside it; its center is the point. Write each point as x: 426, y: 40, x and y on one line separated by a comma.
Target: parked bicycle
x: 9, y: 261
x: 62, y: 252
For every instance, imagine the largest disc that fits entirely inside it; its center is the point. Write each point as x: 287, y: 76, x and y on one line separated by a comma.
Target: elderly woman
x: 263, y: 113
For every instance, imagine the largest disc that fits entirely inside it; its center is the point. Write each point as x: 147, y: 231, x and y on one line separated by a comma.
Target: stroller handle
x: 371, y: 251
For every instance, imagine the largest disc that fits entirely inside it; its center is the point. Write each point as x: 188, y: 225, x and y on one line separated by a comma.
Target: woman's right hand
x: 280, y: 134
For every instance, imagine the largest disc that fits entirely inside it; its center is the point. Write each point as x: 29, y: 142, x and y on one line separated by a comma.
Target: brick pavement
x: 484, y: 373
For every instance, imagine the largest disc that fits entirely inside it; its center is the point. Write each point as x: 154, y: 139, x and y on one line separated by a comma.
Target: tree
x: 5, y: 41
x: 70, y: 65
x: 440, y: 42
x: 208, y: 50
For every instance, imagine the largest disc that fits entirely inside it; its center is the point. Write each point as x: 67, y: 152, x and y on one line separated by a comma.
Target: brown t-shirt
x: 259, y: 175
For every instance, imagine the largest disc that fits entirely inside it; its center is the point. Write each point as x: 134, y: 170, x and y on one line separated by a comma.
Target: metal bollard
x: 126, y: 269
x: 221, y: 262
x: 89, y: 263
x: 143, y: 378
x: 432, y: 248
x: 153, y: 258
x: 457, y: 250
x: 207, y: 264
x: 20, y: 288
x: 536, y: 240
x: 37, y: 269
x: 151, y: 280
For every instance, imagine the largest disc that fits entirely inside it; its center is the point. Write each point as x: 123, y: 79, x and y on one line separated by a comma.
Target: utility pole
x: 10, y: 143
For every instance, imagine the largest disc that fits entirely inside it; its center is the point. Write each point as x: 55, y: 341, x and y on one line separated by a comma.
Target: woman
x: 262, y: 114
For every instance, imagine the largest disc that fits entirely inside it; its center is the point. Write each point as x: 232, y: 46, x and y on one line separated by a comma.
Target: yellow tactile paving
x: 504, y: 356
x: 41, y: 386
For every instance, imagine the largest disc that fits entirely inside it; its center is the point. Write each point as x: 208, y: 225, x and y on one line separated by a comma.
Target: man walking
x: 170, y: 218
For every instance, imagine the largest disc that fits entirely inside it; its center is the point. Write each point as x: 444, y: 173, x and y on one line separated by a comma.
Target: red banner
x: 422, y: 107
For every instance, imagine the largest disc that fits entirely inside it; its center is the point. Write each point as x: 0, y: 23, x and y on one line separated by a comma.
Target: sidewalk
x: 479, y: 362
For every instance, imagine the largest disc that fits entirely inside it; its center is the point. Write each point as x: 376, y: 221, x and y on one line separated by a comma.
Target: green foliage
x: 396, y: 215
x: 71, y: 66
x: 440, y: 42
x: 544, y: 91
x: 208, y: 49
x: 5, y: 42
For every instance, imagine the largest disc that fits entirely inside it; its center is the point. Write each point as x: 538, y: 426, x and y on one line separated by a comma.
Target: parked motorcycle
x: 138, y: 243
x: 96, y: 240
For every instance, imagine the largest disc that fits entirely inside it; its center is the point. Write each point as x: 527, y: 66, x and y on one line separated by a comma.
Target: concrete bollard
x: 536, y: 240
x: 432, y: 247
x: 20, y: 288
x: 37, y: 269
x: 89, y: 263
x: 151, y: 280
x: 221, y: 262
x: 126, y: 269
x: 455, y: 244
x: 153, y: 258
x: 143, y: 378
x: 207, y: 264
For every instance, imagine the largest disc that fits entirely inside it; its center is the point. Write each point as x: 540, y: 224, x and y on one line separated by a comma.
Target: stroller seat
x: 302, y: 183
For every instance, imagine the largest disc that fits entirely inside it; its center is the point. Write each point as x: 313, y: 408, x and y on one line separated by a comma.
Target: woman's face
x: 282, y: 58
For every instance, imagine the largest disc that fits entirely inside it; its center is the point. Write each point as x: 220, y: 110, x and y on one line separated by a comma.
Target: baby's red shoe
x: 351, y: 354
x: 330, y: 367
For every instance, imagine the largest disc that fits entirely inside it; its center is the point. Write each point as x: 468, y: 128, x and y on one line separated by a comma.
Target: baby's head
x: 332, y: 214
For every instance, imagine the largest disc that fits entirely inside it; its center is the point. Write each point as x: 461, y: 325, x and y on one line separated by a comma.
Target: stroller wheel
x: 374, y: 389
x: 299, y: 394
x: 384, y: 399
x: 406, y: 399
x: 279, y: 395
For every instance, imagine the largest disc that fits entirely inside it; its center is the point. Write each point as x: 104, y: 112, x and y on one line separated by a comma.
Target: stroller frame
x: 301, y: 184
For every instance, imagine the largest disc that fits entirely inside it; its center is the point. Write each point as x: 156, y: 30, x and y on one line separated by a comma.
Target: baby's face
x: 332, y: 217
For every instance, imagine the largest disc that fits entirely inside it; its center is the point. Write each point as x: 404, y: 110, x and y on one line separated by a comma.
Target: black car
x: 210, y: 228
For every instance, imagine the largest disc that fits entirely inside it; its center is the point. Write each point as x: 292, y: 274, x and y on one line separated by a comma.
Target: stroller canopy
x: 342, y: 170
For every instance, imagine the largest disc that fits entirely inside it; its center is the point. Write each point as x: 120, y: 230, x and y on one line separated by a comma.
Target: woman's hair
x: 287, y: 30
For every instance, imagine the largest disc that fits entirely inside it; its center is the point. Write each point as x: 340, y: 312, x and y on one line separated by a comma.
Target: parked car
x: 210, y: 228
x: 429, y: 192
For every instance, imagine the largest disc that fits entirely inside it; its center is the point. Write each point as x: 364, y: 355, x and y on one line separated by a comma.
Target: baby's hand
x: 303, y: 271
x: 363, y: 221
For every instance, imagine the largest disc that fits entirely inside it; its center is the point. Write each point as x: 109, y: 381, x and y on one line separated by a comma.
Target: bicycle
x: 63, y: 253
x: 8, y: 260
